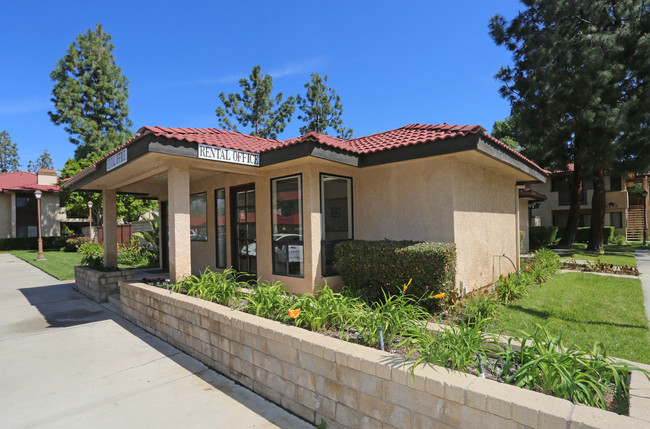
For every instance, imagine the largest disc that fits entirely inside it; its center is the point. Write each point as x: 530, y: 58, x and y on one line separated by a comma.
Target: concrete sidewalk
x: 643, y: 264
x: 67, y: 362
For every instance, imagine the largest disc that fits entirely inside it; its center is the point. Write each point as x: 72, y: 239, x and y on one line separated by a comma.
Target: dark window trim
x: 302, y: 223
x: 324, y: 242
x: 234, y: 251
x: 216, y: 227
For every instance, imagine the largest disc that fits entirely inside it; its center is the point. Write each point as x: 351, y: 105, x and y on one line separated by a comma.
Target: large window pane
x: 336, y: 215
x: 198, y: 217
x: 286, y: 208
x: 220, y: 204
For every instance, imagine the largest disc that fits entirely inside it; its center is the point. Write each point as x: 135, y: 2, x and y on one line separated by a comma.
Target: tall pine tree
x: 575, y: 86
x: 255, y: 107
x: 322, y: 108
x: 9, y: 159
x: 90, y: 95
x: 43, y: 161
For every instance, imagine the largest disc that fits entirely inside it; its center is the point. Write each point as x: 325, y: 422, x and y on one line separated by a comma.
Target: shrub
x: 582, y: 234
x: 132, y: 253
x: 93, y: 255
x: 479, y: 306
x: 27, y: 243
x: 269, y: 300
x: 541, y: 236
x: 543, y: 265
x: 618, y: 239
x: 381, y: 266
x: 72, y: 244
x: 513, y: 286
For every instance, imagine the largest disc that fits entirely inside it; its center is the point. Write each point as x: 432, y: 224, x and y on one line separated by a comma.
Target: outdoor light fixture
x: 90, y: 220
x: 644, y: 194
x: 40, y: 256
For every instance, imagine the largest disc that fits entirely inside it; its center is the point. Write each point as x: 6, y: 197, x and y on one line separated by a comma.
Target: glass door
x: 244, y: 243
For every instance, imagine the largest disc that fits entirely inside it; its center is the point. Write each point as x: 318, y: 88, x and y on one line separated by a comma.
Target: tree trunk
x: 569, y: 236
x: 597, y: 211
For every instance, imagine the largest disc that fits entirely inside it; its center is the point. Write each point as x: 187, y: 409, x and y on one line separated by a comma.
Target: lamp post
x: 90, y: 220
x: 644, y: 194
x: 40, y: 256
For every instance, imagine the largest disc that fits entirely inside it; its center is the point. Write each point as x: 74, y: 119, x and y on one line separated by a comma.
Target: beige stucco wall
x: 485, y: 224
x: 5, y: 215
x: 51, y: 227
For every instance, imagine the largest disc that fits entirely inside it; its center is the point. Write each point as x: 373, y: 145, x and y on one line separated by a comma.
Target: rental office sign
x: 229, y: 155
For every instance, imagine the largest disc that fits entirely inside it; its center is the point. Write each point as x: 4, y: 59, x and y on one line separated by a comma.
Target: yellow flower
x: 438, y: 296
x: 406, y: 286
x: 294, y: 313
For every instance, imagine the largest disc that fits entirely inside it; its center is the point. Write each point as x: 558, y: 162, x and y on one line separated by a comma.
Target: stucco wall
x: 51, y: 227
x: 410, y: 200
x: 5, y: 215
x: 485, y: 224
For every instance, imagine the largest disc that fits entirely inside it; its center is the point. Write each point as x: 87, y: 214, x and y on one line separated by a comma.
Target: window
x: 220, y: 217
x: 615, y: 183
x: 26, y: 215
x: 614, y: 219
x: 198, y: 217
x: 336, y: 217
x: 286, y: 209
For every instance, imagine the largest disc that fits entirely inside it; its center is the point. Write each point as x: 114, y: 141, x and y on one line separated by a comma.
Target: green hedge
x: 582, y: 235
x: 541, y: 236
x: 389, y: 265
x: 27, y: 243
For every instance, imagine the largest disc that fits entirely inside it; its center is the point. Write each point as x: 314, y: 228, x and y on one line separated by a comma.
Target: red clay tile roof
x: 533, y: 195
x: 22, y: 181
x: 401, y: 137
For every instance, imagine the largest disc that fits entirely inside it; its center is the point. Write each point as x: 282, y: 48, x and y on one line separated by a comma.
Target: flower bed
x: 347, y: 385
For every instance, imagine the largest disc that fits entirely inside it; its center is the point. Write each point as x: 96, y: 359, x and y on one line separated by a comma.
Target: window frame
x: 205, y: 196
x: 301, y: 242
x: 324, y: 242
x: 216, y: 229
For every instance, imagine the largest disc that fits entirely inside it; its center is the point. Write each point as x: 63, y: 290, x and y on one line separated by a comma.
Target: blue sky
x: 393, y: 63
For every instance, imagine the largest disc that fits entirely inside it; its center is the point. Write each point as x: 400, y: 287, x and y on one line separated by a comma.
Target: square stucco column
x: 110, y: 228
x: 178, y: 185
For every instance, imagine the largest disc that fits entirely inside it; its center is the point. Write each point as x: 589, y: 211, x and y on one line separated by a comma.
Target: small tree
x: 43, y: 161
x: 322, y: 108
x: 8, y: 154
x: 90, y: 95
x: 254, y: 107
x: 506, y: 131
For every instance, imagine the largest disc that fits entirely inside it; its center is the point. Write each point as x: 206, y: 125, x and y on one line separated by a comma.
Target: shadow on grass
x: 547, y: 315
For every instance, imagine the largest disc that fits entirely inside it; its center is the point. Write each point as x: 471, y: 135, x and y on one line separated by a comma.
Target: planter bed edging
x: 347, y: 385
x: 97, y: 285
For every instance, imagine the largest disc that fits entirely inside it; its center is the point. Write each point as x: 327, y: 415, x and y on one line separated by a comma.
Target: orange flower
x: 294, y: 313
x: 438, y: 296
x: 406, y: 286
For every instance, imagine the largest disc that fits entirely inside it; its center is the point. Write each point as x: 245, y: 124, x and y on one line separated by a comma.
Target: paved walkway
x: 643, y: 263
x: 67, y: 362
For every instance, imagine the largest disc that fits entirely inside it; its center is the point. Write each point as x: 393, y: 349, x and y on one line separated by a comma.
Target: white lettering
x: 116, y: 160
x: 228, y: 155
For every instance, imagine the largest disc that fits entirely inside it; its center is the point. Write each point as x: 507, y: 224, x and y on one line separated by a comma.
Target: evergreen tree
x: 506, y: 131
x: 43, y: 161
x: 90, y: 95
x: 579, y: 74
x: 254, y: 107
x: 9, y: 159
x: 322, y: 108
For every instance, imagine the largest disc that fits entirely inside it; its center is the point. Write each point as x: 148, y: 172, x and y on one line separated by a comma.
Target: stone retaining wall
x: 97, y: 285
x: 320, y: 378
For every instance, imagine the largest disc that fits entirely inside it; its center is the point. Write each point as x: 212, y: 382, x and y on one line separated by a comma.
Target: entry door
x: 244, y: 243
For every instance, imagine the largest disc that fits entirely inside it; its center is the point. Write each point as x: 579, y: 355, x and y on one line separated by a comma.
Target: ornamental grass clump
x: 220, y: 287
x: 550, y: 365
x: 327, y: 310
x: 268, y: 300
x: 513, y: 286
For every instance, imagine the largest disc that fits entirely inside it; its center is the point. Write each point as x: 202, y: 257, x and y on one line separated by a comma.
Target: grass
x: 58, y: 264
x: 619, y: 259
x: 585, y: 308
x: 630, y: 246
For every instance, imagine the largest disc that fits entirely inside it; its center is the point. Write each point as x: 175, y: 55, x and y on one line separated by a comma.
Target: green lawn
x: 629, y: 247
x: 57, y: 264
x: 619, y: 259
x: 586, y: 308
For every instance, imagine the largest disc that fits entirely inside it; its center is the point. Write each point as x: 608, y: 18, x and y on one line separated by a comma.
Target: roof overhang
x: 124, y: 171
